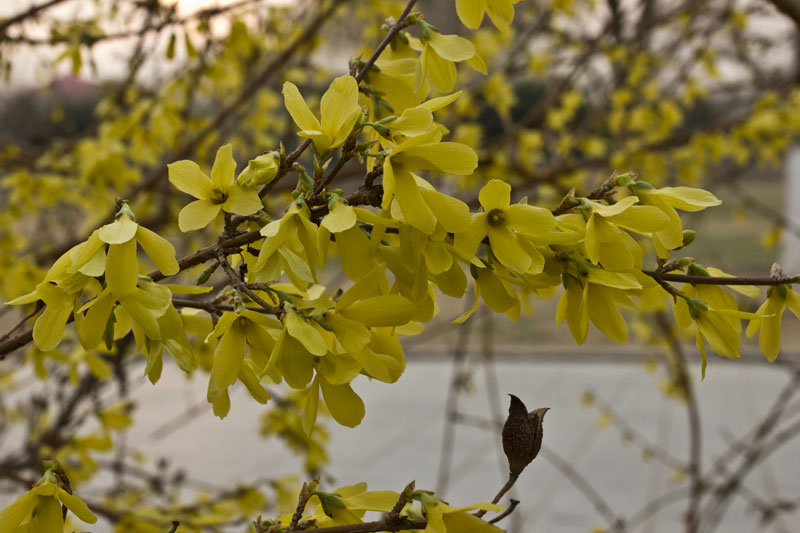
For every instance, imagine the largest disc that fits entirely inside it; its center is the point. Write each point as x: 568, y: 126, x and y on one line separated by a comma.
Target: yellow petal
x: 187, y: 177
x: 222, y: 173
x: 529, y: 220
x: 295, y: 363
x: 228, y: 358
x: 452, y: 213
x: 688, y: 198
x: 451, y: 47
x: 121, y: 230
x: 471, y: 12
x: 455, y: 158
x: 604, y: 314
x: 159, y: 250
x: 197, y: 215
x: 507, y: 249
x: 413, y: 121
x: 495, y: 195
x: 298, y: 109
x: 441, y: 72
x: 340, y: 218
x: 642, y: 219
x: 615, y: 209
x: 222, y: 404
x: 94, y: 325
x: 385, y: 310
x: 305, y: 333
x: 242, y: 201
x: 49, y: 327
x: 311, y: 407
x: 20, y: 509
x: 345, y: 406
x: 415, y: 211
x: 76, y: 505
x: 467, y: 242
x: 122, y: 269
x: 501, y: 12
x: 435, y: 104
x: 339, y: 108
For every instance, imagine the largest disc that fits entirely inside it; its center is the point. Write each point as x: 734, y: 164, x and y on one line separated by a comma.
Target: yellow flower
x: 769, y: 327
x: 500, y: 11
x: 595, y: 297
x: 439, y: 53
x: 607, y: 245
x: 498, y: 220
x: 214, y: 194
x: 419, y: 153
x: 238, y: 332
x: 667, y: 199
x: 39, y: 509
x: 339, y: 111
x: 445, y: 519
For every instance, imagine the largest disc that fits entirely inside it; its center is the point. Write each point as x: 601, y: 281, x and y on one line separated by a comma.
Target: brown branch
x: 721, y: 280
x: 373, y: 527
x: 28, y: 13
x: 511, y: 507
x: 695, y: 429
x: 241, y: 286
x: 386, y: 40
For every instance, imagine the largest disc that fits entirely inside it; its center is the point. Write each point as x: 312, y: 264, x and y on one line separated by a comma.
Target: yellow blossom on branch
x: 214, y: 194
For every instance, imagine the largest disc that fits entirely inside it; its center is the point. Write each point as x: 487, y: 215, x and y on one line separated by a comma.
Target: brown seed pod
x: 522, y: 435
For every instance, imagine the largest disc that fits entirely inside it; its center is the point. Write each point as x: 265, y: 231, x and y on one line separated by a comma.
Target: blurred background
x: 98, y: 95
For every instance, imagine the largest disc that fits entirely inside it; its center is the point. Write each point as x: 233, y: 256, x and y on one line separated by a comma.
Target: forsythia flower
x: 497, y: 221
x: 214, y: 194
x: 439, y: 53
x: 339, y: 111
x: 39, y: 509
x: 769, y: 327
x: 418, y: 153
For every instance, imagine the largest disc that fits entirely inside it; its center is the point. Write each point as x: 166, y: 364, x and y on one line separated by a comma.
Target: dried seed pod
x: 522, y: 435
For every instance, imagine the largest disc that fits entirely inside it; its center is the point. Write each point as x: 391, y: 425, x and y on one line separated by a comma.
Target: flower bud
x: 260, y: 170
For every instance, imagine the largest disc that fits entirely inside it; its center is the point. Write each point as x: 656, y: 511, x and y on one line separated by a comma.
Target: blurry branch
x: 226, y: 112
x: 31, y: 12
x: 693, y: 413
x: 149, y: 27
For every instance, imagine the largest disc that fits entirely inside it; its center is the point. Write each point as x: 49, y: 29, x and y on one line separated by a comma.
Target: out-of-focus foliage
x: 470, y: 163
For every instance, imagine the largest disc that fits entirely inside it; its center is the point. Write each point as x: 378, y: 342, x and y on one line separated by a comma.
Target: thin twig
x: 386, y: 40
x: 511, y: 507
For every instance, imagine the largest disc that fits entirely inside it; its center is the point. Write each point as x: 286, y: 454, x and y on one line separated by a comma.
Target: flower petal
x: 121, y: 230
x: 345, y: 406
x: 197, y: 215
x: 159, y: 250
x: 529, y: 220
x: 339, y: 107
x: 451, y: 47
x: 298, y: 108
x: 471, y: 12
x: 495, y: 195
x: 187, y: 177
x: 508, y: 251
x: 77, y: 506
x: 224, y: 169
x: 122, y: 269
x: 242, y: 201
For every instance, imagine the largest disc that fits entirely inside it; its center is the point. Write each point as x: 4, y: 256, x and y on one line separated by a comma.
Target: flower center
x: 218, y: 197
x: 496, y: 217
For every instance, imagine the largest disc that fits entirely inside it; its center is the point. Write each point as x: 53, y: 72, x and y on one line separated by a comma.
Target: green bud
x: 684, y: 262
x: 641, y: 185
x: 260, y: 170
x: 698, y: 270
x: 688, y: 237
